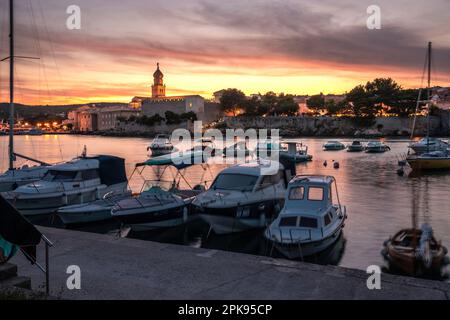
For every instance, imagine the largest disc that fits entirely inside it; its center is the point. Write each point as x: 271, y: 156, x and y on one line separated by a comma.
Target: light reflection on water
x: 379, y: 202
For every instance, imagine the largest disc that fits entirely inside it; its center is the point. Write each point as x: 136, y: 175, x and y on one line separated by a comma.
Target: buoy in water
x: 325, y: 163
x: 336, y: 165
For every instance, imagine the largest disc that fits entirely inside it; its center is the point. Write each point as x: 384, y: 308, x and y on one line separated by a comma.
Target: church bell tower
x: 158, y: 87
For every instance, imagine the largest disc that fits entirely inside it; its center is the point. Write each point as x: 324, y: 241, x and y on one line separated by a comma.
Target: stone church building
x: 159, y: 103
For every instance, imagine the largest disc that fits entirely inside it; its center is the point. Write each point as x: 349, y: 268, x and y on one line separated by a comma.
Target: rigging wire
x: 419, y: 97
x: 53, y: 56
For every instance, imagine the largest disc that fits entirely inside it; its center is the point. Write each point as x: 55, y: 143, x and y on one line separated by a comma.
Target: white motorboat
x: 310, y: 220
x: 356, y: 146
x: 333, y: 146
x: 98, y: 210
x: 376, y: 147
x: 81, y: 180
x: 14, y: 178
x: 161, y: 145
x: 429, y: 145
x: 244, y: 196
x: 152, y: 209
x: 296, y: 152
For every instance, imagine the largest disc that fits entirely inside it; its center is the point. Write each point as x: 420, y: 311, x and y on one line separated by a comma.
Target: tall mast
x: 429, y: 96
x: 11, y: 84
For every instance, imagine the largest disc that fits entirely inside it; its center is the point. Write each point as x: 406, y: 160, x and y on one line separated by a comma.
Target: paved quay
x: 117, y: 268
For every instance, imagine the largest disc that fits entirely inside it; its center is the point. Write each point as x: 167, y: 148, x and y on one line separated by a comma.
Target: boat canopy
x: 111, y: 169
x: 179, y: 162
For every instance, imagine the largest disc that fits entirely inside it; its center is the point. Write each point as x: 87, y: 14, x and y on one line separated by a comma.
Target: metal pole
x: 11, y: 85
x: 47, y: 272
x: 429, y: 96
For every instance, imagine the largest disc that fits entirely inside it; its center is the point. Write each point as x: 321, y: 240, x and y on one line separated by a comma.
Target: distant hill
x: 29, y: 111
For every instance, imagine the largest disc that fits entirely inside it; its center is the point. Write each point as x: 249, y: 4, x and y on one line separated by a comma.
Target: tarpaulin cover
x: 111, y: 169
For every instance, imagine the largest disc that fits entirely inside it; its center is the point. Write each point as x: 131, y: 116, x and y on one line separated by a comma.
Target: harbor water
x: 379, y: 202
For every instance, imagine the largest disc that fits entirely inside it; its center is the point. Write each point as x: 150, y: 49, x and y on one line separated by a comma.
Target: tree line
x: 375, y: 98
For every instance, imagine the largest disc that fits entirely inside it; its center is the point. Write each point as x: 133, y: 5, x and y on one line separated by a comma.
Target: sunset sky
x: 291, y: 46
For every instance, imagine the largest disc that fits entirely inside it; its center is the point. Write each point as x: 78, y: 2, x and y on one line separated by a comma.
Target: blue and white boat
x: 296, y: 152
x: 81, y: 180
x: 376, y: 147
x: 312, y: 217
x: 429, y: 144
x: 333, y: 146
x: 98, y: 210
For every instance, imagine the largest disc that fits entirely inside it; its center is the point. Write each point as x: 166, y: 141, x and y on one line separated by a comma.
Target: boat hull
x: 226, y: 220
x: 49, y: 204
x: 355, y: 149
x: 333, y: 148
x: 429, y: 163
x: 299, y: 251
x: 227, y: 225
x: 297, y: 158
x: 160, y: 151
x: 69, y: 218
x: 142, y: 220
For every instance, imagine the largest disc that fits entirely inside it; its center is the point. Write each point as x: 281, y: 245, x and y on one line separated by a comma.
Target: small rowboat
x: 415, y: 252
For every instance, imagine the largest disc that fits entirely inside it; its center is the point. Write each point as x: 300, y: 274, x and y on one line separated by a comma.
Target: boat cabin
x: 251, y: 177
x: 311, y: 204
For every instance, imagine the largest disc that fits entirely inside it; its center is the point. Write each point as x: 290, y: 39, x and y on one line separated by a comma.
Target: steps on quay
x: 9, y: 278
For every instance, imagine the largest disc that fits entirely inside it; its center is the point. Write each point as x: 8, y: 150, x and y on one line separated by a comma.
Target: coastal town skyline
x: 295, y: 47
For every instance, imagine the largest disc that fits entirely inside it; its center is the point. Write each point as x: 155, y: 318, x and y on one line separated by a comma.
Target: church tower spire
x: 158, y: 87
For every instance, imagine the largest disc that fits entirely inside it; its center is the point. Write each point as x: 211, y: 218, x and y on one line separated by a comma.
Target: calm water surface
x: 379, y: 202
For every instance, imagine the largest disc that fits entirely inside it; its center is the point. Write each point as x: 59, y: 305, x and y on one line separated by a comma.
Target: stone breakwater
x: 334, y: 126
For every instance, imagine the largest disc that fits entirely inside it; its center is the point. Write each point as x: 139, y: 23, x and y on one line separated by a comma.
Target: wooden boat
x: 415, y: 252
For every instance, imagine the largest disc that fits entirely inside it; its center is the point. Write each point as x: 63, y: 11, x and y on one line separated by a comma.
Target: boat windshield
x: 60, y: 176
x: 238, y: 182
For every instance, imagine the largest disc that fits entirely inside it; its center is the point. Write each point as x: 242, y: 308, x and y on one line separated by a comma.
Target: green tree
x: 189, y: 116
x: 406, y: 102
x: 334, y: 108
x: 316, y: 103
x: 286, y: 105
x: 232, y: 100
x: 384, y: 92
x: 269, y: 102
x: 172, y: 117
x: 361, y: 103
x: 252, y: 107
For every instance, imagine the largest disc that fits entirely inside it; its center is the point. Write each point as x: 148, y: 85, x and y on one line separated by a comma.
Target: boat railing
x: 45, y: 269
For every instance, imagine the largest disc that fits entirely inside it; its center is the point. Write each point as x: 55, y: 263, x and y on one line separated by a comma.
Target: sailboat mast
x: 11, y: 84
x: 429, y: 96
